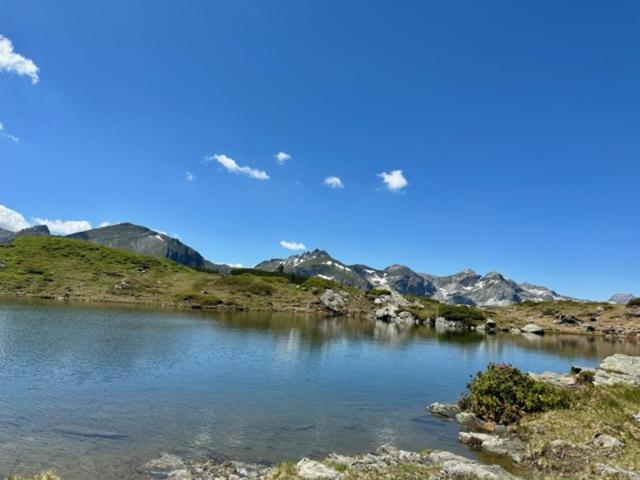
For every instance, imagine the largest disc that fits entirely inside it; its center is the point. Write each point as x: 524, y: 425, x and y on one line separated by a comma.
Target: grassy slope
x: 606, y: 410
x: 601, y: 316
x: 52, y: 267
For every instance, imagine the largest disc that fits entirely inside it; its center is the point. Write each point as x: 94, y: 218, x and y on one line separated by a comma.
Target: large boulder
x: 336, y: 302
x: 533, y: 328
x: 619, y: 369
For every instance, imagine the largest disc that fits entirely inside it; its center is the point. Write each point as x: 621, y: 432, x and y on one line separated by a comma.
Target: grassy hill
x: 62, y: 268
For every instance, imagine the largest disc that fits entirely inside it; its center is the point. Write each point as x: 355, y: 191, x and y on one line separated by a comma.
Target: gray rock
x: 616, y: 472
x: 533, y: 328
x: 618, y: 368
x: 493, y: 444
x: 342, y: 459
x: 636, y: 417
x: 554, y: 378
x: 605, y: 441
x: 448, y: 410
x: 336, y: 302
x: 312, y: 470
x: 469, y: 420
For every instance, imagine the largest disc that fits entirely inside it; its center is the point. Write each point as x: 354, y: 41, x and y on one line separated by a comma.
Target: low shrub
x: 249, y: 283
x: 586, y: 376
x: 198, y: 299
x: 503, y: 394
x: 318, y: 284
x: 377, y: 292
x: 463, y: 314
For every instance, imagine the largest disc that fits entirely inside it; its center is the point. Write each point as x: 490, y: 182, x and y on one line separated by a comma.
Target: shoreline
x: 512, y: 327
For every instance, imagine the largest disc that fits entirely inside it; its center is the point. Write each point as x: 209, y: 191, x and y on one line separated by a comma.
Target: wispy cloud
x: 190, y: 177
x: 12, y: 220
x: 333, y: 182
x: 282, y: 157
x: 232, y: 166
x: 4, y: 133
x: 64, y: 227
x: 292, y: 245
x: 394, y: 181
x: 13, y: 62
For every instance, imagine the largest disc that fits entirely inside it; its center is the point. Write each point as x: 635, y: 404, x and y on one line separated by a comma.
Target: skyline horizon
x: 293, y: 252
x: 497, y: 136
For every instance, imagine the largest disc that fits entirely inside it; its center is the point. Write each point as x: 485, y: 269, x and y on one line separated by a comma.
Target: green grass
x: 593, y: 410
x: 62, y: 268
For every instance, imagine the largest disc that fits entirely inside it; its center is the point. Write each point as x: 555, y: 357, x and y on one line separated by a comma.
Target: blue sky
x: 515, y: 126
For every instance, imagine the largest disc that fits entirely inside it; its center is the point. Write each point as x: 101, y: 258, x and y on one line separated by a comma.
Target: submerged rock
x: 619, y: 368
x: 448, y: 410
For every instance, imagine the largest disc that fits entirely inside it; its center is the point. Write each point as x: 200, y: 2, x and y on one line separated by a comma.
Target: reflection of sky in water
x: 87, y: 389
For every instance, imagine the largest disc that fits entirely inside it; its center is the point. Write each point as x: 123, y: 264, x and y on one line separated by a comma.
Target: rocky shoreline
x: 605, y: 454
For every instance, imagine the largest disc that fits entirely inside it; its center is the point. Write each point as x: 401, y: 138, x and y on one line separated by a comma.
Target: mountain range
x: 466, y: 287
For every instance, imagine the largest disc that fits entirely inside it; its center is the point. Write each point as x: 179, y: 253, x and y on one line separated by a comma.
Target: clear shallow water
x: 96, y: 392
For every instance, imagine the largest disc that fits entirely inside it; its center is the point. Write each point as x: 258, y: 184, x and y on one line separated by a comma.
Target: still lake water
x: 95, y: 392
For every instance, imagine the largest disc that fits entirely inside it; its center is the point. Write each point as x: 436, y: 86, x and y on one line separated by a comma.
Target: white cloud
x: 231, y: 166
x: 189, y: 176
x: 282, y: 157
x: 292, y: 245
x: 105, y: 224
x: 394, y: 180
x: 333, y: 182
x: 6, y: 134
x: 64, y: 227
x: 12, y: 220
x: 13, y: 62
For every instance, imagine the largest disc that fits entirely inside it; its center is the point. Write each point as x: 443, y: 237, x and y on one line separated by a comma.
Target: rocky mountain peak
x: 139, y: 239
x: 621, y: 298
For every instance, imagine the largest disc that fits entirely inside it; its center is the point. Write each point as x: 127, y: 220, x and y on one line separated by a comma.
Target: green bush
x: 503, y: 394
x: 198, y: 299
x: 586, y: 376
x: 463, y: 314
x: 377, y: 292
x: 249, y: 283
x: 280, y: 273
x: 317, y: 283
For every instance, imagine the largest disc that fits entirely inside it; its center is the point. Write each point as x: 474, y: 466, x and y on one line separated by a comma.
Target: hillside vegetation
x: 62, y: 268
